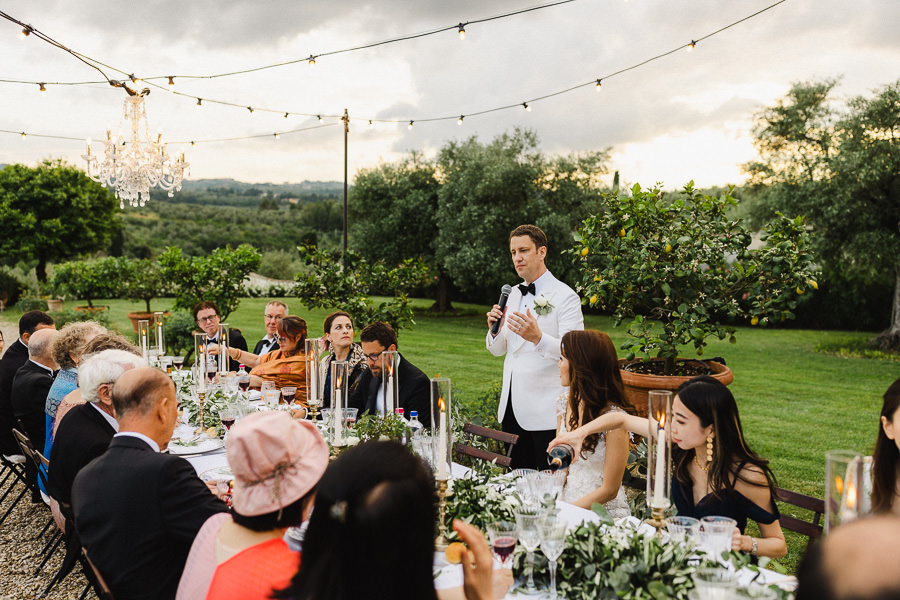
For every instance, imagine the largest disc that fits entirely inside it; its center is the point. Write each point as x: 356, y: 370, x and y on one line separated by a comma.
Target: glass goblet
x: 228, y: 417
x: 528, y: 519
x: 503, y: 535
x: 553, y: 542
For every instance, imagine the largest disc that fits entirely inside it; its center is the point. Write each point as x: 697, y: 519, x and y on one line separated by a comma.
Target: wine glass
x: 288, y: 393
x: 178, y: 362
x: 502, y: 535
x: 528, y: 519
x: 553, y: 542
x: 227, y: 416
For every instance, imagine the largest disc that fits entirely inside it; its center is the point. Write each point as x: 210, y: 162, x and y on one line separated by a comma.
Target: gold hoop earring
x: 709, y: 449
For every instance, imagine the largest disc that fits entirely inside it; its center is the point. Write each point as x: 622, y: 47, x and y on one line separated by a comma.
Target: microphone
x: 504, y: 296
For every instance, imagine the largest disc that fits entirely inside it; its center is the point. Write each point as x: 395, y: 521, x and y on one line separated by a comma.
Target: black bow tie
x: 527, y: 289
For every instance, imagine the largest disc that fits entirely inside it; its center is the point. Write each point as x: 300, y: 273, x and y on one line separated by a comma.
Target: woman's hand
x: 477, y: 564
x: 740, y: 542
x: 572, y: 438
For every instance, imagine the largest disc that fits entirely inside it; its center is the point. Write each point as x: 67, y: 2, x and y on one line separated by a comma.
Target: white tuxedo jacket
x: 531, y: 372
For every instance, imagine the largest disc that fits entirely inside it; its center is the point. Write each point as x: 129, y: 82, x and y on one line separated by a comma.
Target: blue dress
x: 729, y: 503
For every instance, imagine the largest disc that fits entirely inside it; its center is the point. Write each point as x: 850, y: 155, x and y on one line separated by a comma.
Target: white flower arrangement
x: 542, y: 306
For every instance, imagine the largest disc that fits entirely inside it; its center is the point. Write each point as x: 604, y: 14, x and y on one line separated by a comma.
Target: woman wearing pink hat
x: 277, y: 463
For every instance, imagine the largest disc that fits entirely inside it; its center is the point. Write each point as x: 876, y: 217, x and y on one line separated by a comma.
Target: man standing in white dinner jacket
x: 538, y: 313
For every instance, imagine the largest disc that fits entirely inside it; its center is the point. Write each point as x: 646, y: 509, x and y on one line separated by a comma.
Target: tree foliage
x: 90, y: 279
x: 679, y: 266
x: 143, y: 280
x: 219, y: 276
x: 52, y: 212
x: 346, y: 283
x: 839, y: 166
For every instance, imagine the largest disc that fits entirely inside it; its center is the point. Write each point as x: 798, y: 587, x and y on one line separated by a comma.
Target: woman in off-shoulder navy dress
x: 714, y: 470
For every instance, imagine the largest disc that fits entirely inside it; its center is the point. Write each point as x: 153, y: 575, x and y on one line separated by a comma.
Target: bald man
x: 29, y: 394
x: 856, y: 561
x: 137, y: 510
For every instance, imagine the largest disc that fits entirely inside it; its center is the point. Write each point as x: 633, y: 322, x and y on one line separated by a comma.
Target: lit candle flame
x: 338, y: 382
x: 441, y: 404
x: 851, y: 495
x: 662, y: 420
x: 839, y: 484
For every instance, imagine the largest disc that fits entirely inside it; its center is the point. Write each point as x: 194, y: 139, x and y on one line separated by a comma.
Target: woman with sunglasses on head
x: 714, y: 470
x: 285, y: 366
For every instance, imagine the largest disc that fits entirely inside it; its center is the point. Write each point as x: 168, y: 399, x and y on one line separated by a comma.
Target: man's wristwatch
x: 754, y: 546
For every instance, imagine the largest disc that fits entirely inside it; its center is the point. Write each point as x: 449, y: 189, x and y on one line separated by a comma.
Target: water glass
x: 529, y: 522
x: 503, y: 535
x: 683, y: 529
x: 541, y: 487
x: 266, y: 385
x: 716, y: 534
x: 424, y: 447
x: 271, y: 398
x: 711, y: 583
x: 349, y: 415
x: 553, y: 542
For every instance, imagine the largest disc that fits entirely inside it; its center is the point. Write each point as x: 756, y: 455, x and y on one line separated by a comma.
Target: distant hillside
x: 235, y: 187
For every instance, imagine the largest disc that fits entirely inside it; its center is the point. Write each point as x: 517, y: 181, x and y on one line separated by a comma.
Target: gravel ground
x: 20, y: 544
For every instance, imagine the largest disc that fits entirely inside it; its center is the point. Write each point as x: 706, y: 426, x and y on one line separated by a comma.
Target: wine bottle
x: 560, y: 457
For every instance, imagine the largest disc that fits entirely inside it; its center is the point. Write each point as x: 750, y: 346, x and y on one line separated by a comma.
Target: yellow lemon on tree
x: 454, y: 552
x: 594, y: 299
x: 622, y: 232
x: 754, y: 321
x: 800, y: 290
x: 585, y: 250
x: 668, y: 248
x: 598, y: 278
x: 812, y: 283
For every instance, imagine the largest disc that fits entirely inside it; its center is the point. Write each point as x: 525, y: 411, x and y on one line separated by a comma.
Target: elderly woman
x: 67, y: 350
x: 285, y: 366
x: 277, y: 463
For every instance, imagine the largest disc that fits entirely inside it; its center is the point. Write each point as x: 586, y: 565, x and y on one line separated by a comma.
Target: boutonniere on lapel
x: 542, y: 306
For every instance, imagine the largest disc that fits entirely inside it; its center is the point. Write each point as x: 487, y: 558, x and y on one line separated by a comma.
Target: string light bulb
x: 23, y: 135
x: 171, y: 81
x: 598, y: 86
x: 276, y: 135
x: 526, y: 106
x: 199, y: 102
x: 312, y: 60
x: 250, y: 108
x: 410, y: 126
x: 459, y: 121
x: 371, y: 124
x: 285, y: 115
x: 462, y: 31
x: 43, y: 89
x: 193, y: 143
x: 319, y: 117
x: 690, y: 47
x: 26, y: 31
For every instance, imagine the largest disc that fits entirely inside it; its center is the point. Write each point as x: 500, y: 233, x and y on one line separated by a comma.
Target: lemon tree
x: 683, y: 269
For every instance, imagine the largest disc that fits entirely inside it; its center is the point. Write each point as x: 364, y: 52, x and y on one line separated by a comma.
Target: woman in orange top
x: 285, y: 366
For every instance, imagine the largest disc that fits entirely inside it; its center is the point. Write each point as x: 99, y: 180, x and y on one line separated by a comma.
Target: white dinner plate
x: 198, y: 447
x: 217, y: 474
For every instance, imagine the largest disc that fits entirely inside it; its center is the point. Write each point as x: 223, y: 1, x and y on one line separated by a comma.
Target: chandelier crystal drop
x: 132, y: 166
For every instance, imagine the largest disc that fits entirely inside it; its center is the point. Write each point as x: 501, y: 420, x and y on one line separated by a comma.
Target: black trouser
x: 530, y: 452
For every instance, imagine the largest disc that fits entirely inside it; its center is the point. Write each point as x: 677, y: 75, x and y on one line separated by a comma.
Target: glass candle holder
x: 659, y: 449
x: 200, y: 360
x: 844, y: 487
x: 313, y: 385
x: 390, y: 360
x: 223, y: 349
x: 340, y: 371
x: 441, y: 427
x: 158, y: 322
x: 144, y: 338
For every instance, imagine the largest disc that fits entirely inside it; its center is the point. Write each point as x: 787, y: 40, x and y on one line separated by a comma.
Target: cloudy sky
x: 686, y: 116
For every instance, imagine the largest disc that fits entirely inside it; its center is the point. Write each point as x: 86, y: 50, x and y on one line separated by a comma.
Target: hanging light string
x: 311, y: 59
x: 595, y: 82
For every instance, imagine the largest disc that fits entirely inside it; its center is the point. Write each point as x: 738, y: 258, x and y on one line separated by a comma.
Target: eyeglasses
x: 207, y: 319
x: 272, y: 317
x: 375, y: 356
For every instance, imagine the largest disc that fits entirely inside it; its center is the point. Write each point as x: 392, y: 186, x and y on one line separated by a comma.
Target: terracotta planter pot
x: 91, y: 309
x: 140, y: 316
x: 638, y: 384
x: 54, y: 305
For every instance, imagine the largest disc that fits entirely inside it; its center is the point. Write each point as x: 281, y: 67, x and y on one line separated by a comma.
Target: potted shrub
x: 90, y: 280
x: 142, y: 281
x: 683, y: 269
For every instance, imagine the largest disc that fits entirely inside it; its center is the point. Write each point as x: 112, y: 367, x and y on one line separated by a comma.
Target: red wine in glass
x: 288, y: 396
x: 244, y: 384
x: 503, y: 547
x: 227, y: 423
x: 211, y: 375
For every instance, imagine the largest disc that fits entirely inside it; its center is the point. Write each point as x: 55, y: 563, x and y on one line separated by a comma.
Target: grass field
x: 795, y: 403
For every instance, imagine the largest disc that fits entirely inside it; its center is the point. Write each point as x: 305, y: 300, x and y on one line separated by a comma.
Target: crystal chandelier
x: 131, y: 167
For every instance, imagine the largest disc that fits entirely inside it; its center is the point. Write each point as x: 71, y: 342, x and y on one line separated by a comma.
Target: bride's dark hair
x: 714, y: 404
x: 595, y: 384
x: 886, y: 455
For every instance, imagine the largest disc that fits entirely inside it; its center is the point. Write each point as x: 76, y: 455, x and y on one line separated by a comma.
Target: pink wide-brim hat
x: 275, y: 460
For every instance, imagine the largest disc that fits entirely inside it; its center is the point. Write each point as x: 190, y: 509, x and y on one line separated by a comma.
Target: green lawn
x: 795, y: 403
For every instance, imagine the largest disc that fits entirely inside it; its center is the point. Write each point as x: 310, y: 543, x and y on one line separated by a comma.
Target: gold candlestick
x: 441, y: 542
x: 657, y: 519
x: 201, y: 400
x: 314, y: 411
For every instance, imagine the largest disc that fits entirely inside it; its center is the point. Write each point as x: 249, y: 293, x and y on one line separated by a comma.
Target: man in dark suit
x: 29, y: 394
x: 413, y: 386
x: 275, y: 311
x: 86, y: 430
x: 137, y: 511
x: 16, y: 356
x: 207, y: 315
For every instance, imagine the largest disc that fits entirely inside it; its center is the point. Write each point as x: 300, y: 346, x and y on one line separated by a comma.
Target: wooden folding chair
x: 811, y: 529
x: 489, y: 446
x: 103, y: 588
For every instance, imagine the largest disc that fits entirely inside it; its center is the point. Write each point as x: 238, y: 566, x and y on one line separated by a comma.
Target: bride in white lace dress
x: 589, y: 368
